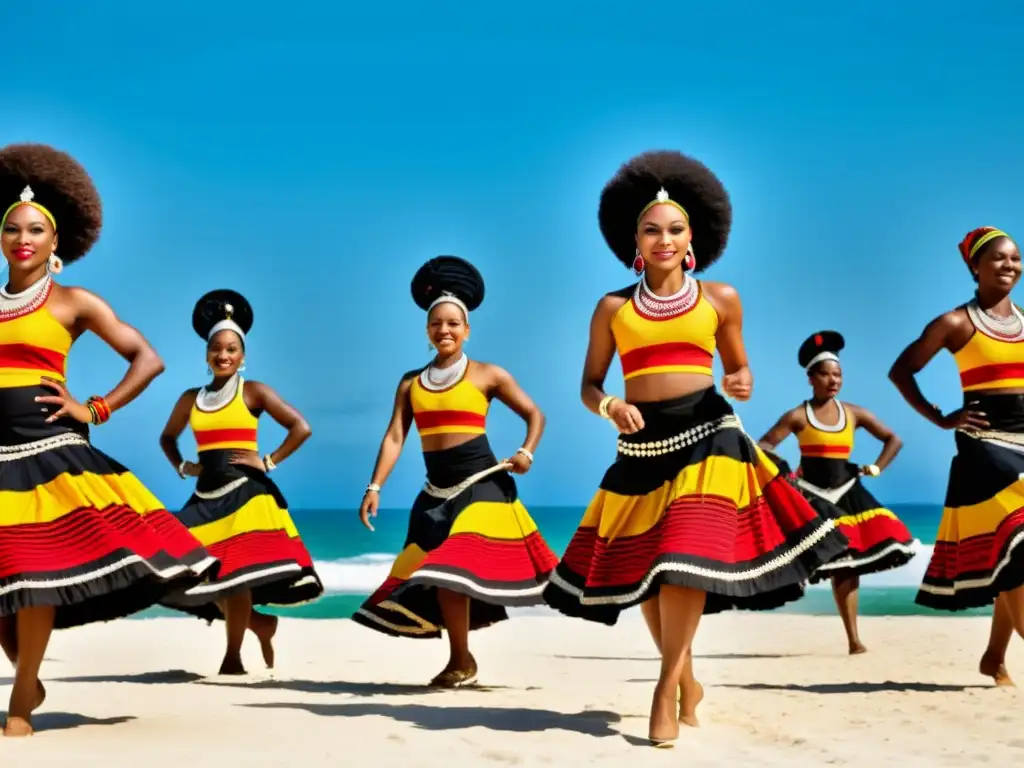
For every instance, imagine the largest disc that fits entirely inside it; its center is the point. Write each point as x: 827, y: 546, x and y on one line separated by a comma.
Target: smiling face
x: 447, y: 328
x: 28, y: 239
x: 663, y: 237
x: 826, y: 379
x: 225, y: 353
x: 997, y: 268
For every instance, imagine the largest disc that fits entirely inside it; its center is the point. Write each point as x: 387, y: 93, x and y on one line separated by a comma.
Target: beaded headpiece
x: 662, y: 198
x: 227, y: 324
x: 27, y: 197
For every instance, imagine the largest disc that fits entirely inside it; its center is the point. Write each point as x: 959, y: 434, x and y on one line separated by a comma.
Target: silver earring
x: 241, y: 367
x: 54, y: 263
x: 209, y: 371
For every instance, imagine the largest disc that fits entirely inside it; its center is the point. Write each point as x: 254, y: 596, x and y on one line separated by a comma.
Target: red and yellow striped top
x: 989, y: 363
x: 826, y: 441
x: 232, y: 427
x: 459, y: 409
x: 683, y: 343
x: 33, y: 344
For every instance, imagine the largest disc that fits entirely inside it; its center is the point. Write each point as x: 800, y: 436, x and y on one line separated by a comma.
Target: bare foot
x: 664, y: 727
x: 996, y: 669
x: 265, y: 628
x: 688, y: 706
x: 17, y: 726
x: 857, y: 647
x: 232, y: 666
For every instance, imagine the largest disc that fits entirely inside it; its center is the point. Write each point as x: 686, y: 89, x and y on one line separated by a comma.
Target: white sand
x: 780, y: 690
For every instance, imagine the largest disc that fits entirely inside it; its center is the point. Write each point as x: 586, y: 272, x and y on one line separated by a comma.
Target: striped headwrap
x: 976, y: 239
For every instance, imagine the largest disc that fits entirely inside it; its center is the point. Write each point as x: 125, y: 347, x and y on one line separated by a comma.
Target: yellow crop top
x: 232, y: 427
x: 677, y: 343
x: 824, y: 441
x: 459, y: 409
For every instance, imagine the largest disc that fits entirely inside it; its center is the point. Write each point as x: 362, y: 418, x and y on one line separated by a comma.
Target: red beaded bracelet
x: 99, y: 409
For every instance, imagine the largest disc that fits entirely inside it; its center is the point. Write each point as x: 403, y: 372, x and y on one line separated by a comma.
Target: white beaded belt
x: 455, y: 490
x: 691, y: 436
x: 24, y: 450
x: 224, y: 490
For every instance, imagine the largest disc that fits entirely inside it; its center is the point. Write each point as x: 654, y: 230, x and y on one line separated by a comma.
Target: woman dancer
x: 81, y: 539
x: 978, y: 558
x: 236, y: 510
x: 472, y: 548
x: 824, y: 428
x: 691, y: 518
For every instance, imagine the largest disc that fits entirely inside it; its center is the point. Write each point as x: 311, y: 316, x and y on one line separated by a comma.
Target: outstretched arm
x: 938, y: 335
x: 260, y: 397
x: 94, y: 314
x: 394, y: 436
x: 779, y: 431
x: 738, y: 381
x: 600, y: 351
x: 507, y: 390
x: 891, y: 443
x: 176, y: 424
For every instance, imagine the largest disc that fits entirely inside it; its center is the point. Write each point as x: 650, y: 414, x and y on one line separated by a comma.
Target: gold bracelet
x: 602, y: 407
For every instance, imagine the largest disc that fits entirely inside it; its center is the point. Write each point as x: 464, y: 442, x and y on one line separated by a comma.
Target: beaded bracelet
x: 99, y: 409
x: 602, y: 407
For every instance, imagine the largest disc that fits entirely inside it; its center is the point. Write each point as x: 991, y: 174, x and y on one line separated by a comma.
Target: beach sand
x: 554, y: 692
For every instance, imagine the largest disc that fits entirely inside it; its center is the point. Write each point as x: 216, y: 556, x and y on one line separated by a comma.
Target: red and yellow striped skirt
x: 481, y: 542
x: 691, y: 501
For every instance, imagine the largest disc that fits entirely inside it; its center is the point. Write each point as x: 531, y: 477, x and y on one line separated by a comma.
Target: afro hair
x: 814, y: 345
x: 448, y: 274
x: 688, y: 182
x: 220, y: 305
x: 62, y: 186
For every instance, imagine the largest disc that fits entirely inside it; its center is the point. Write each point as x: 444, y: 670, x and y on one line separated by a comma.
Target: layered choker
x: 436, y: 379
x: 656, y: 306
x: 214, y: 400
x: 17, y: 304
x: 1002, y: 328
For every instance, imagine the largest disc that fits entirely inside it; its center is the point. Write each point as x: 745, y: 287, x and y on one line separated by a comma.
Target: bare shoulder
x: 955, y: 319
x: 797, y: 416
x: 611, y: 302
x: 723, y: 296
x: 489, y: 373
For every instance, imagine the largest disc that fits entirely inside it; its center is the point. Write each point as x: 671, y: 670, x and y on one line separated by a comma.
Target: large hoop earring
x: 54, y: 263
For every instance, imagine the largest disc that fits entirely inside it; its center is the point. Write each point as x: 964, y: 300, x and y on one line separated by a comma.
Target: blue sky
x: 313, y: 158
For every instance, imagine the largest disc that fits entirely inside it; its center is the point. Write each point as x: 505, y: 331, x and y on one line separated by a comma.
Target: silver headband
x: 449, y: 298
x: 820, y: 357
x: 226, y: 325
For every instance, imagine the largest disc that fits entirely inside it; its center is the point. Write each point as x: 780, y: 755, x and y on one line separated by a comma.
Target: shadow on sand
x: 888, y: 685
x: 353, y: 688
x: 507, y: 719
x: 62, y: 721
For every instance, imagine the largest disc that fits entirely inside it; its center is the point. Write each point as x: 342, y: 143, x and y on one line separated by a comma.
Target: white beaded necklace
x: 21, y: 303
x: 436, y: 379
x: 214, y: 400
x: 1002, y: 328
x: 656, y: 306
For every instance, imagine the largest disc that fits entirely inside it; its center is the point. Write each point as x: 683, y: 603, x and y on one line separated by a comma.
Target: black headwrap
x: 218, y: 305
x: 829, y: 342
x: 448, y: 275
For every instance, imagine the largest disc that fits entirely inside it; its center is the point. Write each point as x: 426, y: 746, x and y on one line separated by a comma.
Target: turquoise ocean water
x: 352, y: 561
